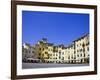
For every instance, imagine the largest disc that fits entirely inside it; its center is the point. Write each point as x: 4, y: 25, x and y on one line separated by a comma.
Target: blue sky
x: 58, y: 28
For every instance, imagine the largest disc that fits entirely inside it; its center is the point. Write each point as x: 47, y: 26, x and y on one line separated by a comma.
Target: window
x: 46, y: 47
x: 62, y: 58
x: 81, y: 55
x: 23, y: 50
x: 68, y: 57
x: 63, y: 53
x: 84, y: 55
x: 74, y: 52
x: 77, y: 50
x: 83, y: 45
x: 87, y: 43
x: 83, y: 49
x: 87, y: 48
x: 74, y: 57
x: 60, y: 53
x: 49, y: 49
x: 39, y: 54
x: 80, y: 50
x: 43, y: 49
x: 46, y: 52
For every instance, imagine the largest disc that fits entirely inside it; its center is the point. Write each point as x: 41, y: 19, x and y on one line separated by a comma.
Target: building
x: 70, y: 53
x: 28, y: 51
x: 42, y: 50
x: 82, y: 49
x: 76, y: 52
